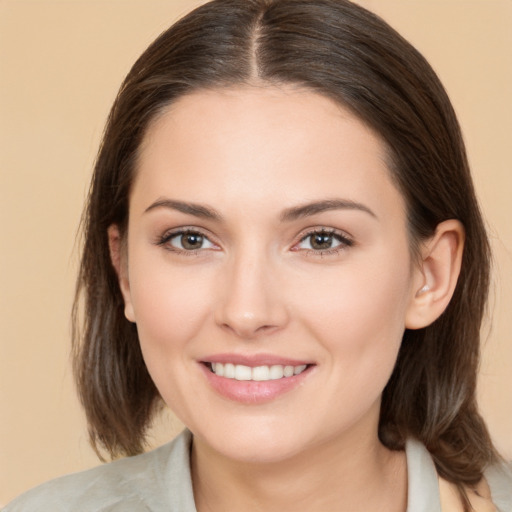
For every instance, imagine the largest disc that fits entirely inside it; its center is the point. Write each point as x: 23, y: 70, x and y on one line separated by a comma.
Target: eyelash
x: 164, y: 241
x: 344, y: 241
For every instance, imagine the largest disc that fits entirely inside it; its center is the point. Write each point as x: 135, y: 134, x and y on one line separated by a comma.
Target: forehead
x: 259, y: 143
x: 254, y: 113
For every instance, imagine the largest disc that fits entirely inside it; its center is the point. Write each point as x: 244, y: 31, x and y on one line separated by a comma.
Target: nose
x: 250, y: 299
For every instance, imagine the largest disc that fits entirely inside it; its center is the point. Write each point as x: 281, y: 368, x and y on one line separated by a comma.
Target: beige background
x: 61, y: 63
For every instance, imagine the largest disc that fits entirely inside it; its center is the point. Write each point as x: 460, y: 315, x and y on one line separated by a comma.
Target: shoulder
x: 499, y: 481
x: 492, y: 494
x: 139, y: 483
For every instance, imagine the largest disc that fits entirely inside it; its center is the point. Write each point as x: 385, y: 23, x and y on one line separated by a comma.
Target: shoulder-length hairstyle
x: 340, y: 50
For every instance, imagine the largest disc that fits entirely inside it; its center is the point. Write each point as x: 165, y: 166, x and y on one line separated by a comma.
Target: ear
x: 437, y: 274
x: 119, y: 260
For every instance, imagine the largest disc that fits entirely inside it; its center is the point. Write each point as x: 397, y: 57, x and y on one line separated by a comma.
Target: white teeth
x: 242, y: 372
x: 299, y: 369
x: 288, y: 371
x: 258, y: 373
x: 229, y: 370
x: 276, y: 372
x: 218, y: 369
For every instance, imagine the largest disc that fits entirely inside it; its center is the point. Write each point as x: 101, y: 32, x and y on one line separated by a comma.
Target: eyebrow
x: 197, y: 210
x: 309, y: 209
x: 290, y: 214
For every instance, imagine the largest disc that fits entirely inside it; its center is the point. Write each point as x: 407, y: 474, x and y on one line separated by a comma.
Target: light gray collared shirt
x: 160, y: 481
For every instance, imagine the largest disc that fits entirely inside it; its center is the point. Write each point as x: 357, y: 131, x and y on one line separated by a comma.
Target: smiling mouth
x: 256, y: 373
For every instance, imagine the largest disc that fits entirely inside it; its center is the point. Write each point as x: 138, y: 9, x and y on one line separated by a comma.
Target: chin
x: 256, y: 444
x: 272, y: 452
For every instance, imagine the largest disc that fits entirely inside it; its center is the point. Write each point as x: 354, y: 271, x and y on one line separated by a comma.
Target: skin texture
x: 258, y: 286
x: 479, y: 497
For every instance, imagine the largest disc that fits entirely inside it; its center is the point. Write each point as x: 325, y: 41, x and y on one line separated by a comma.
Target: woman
x: 283, y: 244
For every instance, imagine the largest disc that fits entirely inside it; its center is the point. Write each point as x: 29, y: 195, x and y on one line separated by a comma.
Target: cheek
x: 170, y: 308
x: 360, y: 315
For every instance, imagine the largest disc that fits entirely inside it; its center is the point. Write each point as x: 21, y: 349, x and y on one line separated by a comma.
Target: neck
x: 346, y: 475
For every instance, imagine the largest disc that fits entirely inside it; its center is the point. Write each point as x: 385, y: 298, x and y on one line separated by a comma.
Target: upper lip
x: 253, y: 360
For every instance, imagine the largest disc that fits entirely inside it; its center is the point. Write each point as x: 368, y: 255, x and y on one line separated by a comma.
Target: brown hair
x: 342, y: 51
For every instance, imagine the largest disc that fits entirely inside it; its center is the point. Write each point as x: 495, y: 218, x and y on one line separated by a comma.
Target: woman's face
x: 267, y: 242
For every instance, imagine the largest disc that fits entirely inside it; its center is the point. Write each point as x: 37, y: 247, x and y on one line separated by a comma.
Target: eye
x: 186, y: 241
x: 323, y: 240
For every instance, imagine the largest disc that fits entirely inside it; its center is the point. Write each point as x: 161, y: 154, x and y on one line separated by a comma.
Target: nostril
x: 267, y: 328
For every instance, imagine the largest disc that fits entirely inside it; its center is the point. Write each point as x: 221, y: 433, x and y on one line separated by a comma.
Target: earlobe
x: 437, y: 274
x: 120, y: 264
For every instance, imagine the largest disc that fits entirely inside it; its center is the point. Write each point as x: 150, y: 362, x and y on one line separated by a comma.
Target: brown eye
x: 188, y: 241
x: 319, y: 241
x: 191, y: 241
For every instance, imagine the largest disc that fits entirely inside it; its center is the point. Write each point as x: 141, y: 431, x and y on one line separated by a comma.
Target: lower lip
x: 253, y: 392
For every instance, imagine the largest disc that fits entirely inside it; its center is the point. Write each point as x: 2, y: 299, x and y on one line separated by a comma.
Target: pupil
x: 192, y: 241
x: 321, y: 241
